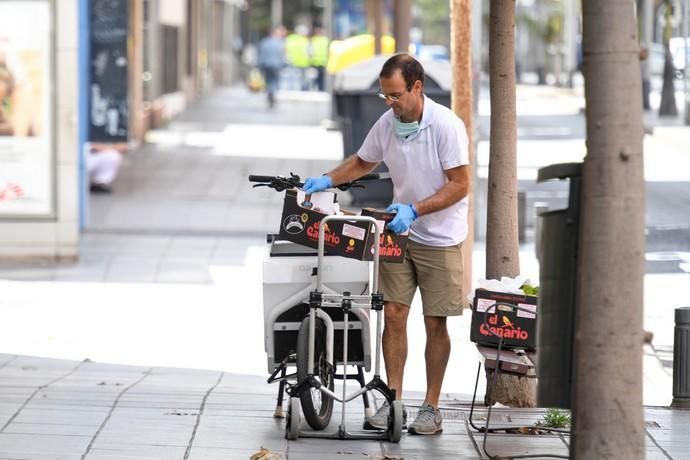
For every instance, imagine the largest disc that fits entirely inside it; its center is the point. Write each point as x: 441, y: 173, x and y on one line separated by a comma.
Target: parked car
x: 433, y: 53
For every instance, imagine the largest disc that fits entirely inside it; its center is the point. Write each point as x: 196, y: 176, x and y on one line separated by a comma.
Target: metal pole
x: 329, y: 25
x: 328, y: 19
x: 84, y: 85
x: 647, y: 30
x: 276, y: 13
x: 569, y: 33
x: 681, y: 359
x: 378, y: 13
x: 686, y: 68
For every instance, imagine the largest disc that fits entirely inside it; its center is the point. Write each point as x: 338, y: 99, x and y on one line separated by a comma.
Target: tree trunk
x: 607, y: 386
x: 402, y: 21
x: 502, y: 253
x: 502, y: 250
x: 461, y: 100
x: 375, y: 15
x: 667, y: 107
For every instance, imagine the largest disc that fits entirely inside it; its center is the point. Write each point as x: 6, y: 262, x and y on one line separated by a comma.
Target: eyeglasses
x: 387, y: 97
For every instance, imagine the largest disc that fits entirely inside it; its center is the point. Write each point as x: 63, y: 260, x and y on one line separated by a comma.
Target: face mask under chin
x: 403, y: 129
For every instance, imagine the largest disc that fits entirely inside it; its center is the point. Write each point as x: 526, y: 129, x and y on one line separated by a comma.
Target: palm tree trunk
x: 607, y: 387
x: 667, y: 106
x: 502, y: 250
x: 461, y: 61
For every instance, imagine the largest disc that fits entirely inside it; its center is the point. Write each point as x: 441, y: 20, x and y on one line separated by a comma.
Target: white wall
x: 172, y: 12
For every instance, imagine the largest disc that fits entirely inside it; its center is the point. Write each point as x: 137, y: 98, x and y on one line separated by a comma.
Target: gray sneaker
x: 379, y: 421
x: 428, y: 421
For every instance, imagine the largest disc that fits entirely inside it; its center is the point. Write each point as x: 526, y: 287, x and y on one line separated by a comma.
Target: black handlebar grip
x: 253, y: 178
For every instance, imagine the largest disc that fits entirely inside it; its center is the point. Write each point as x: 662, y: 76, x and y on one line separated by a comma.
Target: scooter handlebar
x: 254, y: 178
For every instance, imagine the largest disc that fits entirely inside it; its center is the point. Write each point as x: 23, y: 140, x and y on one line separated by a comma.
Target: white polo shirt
x: 417, y: 164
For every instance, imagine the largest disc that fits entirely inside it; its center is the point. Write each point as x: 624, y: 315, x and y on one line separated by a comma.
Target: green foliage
x: 555, y: 418
x: 259, y: 18
x: 554, y: 28
x: 434, y: 20
x: 530, y: 290
x: 668, y: 24
x: 549, y: 28
x: 532, y: 23
x: 434, y: 9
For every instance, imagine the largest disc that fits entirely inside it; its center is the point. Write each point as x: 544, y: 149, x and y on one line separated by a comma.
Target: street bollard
x: 681, y: 359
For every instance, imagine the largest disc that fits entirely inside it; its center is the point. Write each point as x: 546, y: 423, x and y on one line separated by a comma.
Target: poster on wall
x: 26, y: 123
x: 108, y: 110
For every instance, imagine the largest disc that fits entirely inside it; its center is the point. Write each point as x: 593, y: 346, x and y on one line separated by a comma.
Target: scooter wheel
x: 292, y: 421
x: 395, y: 421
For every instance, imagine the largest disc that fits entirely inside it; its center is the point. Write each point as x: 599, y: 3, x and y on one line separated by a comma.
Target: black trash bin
x: 357, y: 107
x: 557, y: 249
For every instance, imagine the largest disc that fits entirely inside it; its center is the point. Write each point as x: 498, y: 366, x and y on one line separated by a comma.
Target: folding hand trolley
x: 316, y: 310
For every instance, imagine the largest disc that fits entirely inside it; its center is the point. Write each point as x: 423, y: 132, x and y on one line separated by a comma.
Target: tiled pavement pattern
x: 69, y: 410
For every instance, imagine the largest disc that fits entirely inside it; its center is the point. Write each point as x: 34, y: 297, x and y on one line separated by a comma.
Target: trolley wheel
x: 292, y: 420
x: 316, y: 406
x: 395, y: 421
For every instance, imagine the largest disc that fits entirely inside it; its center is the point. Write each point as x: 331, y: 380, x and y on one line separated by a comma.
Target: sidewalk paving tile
x: 457, y: 444
x: 61, y: 415
x: 216, y: 453
x: 190, y: 247
x: 42, y: 444
x: 512, y: 445
x: 58, y: 429
x: 313, y: 448
x: 119, y: 450
x: 41, y: 457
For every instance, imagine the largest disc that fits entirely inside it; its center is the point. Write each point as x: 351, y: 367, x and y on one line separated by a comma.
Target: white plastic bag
x: 508, y: 285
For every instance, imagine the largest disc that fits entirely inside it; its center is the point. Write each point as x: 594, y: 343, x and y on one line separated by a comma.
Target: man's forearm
x: 351, y: 169
x: 455, y: 190
x: 447, y: 196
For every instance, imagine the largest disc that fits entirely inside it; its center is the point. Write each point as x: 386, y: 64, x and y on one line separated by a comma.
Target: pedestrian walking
x: 271, y: 60
x: 425, y: 147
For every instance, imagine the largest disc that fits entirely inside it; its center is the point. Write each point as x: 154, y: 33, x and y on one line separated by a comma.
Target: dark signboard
x: 518, y: 327
x: 108, y: 111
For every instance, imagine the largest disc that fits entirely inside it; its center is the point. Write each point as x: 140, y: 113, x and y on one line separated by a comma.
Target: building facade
x: 39, y: 160
x: 140, y: 62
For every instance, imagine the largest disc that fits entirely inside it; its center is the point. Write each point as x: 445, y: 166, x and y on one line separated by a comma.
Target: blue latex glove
x: 405, y: 214
x: 317, y: 184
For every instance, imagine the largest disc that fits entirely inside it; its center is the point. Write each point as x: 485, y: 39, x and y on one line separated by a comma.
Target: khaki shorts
x: 436, y: 270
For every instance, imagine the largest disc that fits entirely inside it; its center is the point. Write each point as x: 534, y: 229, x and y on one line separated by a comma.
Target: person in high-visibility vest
x: 319, y: 56
x: 297, y: 53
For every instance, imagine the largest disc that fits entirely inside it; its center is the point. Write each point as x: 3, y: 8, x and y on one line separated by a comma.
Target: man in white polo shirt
x: 425, y: 147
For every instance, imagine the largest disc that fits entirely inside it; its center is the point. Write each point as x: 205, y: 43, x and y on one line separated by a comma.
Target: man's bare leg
x: 395, y: 344
x: 436, y: 353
